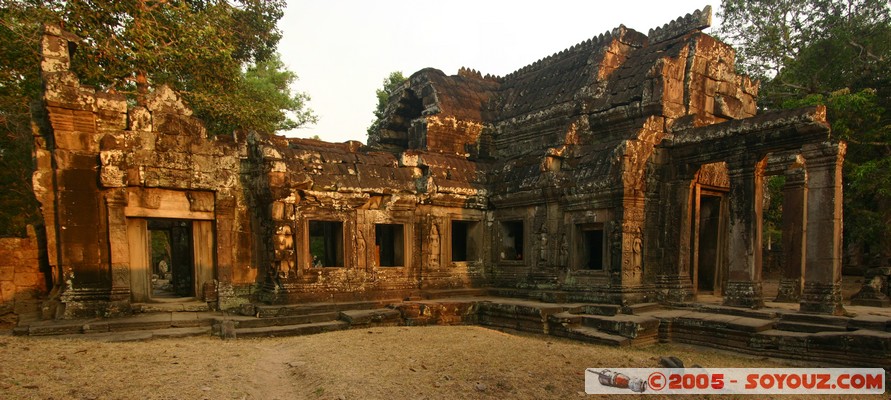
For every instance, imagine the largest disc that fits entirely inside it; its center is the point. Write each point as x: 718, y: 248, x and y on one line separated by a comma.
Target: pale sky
x: 343, y: 49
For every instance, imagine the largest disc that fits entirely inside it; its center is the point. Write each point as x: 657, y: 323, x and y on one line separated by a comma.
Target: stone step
x: 521, y: 315
x: 546, y: 296
x: 728, y: 322
x: 378, y: 317
x: 763, y: 313
x: 520, y: 309
x: 817, y: 319
x: 775, y: 339
x: 808, y: 327
x: 266, y: 311
x: 641, y: 308
x: 141, y: 335
x: 871, y: 302
x: 172, y: 306
x: 52, y: 327
x: 629, y: 326
x: 593, y: 335
x: 598, y: 309
x: 566, y: 318
x: 141, y: 322
x: 437, y: 312
x: 872, y: 322
x: 253, y: 322
x: 292, y: 330
x: 447, y: 293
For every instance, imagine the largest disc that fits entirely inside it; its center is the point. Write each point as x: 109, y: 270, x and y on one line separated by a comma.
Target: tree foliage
x: 220, y: 54
x: 836, y: 53
x: 390, y: 83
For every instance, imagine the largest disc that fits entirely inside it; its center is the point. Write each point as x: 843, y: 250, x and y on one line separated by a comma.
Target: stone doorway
x: 184, y: 221
x: 172, y: 266
x: 709, y: 242
x: 170, y: 259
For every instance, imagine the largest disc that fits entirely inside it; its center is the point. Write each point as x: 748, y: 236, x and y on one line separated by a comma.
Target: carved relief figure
x: 434, y: 247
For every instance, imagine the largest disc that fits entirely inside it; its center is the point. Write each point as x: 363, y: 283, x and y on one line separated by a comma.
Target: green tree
x: 265, y: 86
x: 19, y: 84
x: 802, y: 47
x: 220, y: 54
x: 836, y: 53
x: 393, y: 81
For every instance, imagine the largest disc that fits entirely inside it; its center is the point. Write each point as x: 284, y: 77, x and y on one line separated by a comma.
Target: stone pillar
x: 794, y: 231
x: 677, y: 238
x: 743, y: 287
x: 822, y: 276
x: 225, y: 252
x: 628, y: 253
x: 116, y: 200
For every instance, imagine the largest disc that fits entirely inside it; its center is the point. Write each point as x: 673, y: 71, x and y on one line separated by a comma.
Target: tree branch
x: 865, y: 50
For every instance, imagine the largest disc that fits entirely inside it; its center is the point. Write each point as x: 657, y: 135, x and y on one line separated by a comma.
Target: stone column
x: 743, y: 287
x: 677, y: 239
x: 794, y: 230
x: 225, y: 251
x: 822, y: 276
x: 116, y: 200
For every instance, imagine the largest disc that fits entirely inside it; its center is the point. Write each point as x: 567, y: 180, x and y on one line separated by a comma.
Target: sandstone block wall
x: 21, y: 280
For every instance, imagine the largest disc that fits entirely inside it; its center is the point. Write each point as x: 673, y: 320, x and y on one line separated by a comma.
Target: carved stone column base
x: 745, y: 294
x: 119, y: 294
x: 674, y: 289
x: 821, y: 298
x: 789, y: 291
x: 875, y: 285
x: 88, y: 302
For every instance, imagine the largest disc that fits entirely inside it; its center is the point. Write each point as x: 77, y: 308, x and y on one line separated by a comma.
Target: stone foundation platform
x: 858, y: 340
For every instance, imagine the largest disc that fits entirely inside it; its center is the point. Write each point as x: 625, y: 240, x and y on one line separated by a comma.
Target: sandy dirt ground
x: 459, y: 362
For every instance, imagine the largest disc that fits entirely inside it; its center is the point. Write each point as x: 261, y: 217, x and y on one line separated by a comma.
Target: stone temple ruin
x: 625, y: 170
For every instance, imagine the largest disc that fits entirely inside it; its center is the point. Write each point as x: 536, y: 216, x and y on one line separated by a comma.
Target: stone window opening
x: 465, y: 240
x: 389, y: 241
x: 590, y: 247
x: 512, y: 241
x: 326, y: 243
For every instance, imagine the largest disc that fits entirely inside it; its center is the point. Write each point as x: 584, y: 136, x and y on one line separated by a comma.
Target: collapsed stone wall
x: 22, y: 283
x: 105, y: 168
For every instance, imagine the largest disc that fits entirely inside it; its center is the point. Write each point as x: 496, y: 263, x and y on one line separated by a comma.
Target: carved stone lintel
x: 821, y: 298
x: 747, y: 294
x: 200, y: 201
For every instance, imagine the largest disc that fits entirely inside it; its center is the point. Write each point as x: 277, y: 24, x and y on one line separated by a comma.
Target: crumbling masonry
x: 624, y: 169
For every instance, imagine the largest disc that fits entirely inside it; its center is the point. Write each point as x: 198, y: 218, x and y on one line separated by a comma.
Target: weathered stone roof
x: 564, y: 77
x: 462, y: 95
x: 565, y: 121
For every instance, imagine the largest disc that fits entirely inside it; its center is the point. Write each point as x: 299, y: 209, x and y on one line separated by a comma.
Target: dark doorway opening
x: 465, y: 240
x: 326, y: 243
x: 390, y: 242
x: 173, y: 267
x: 591, y: 247
x: 708, y: 261
x: 512, y: 240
